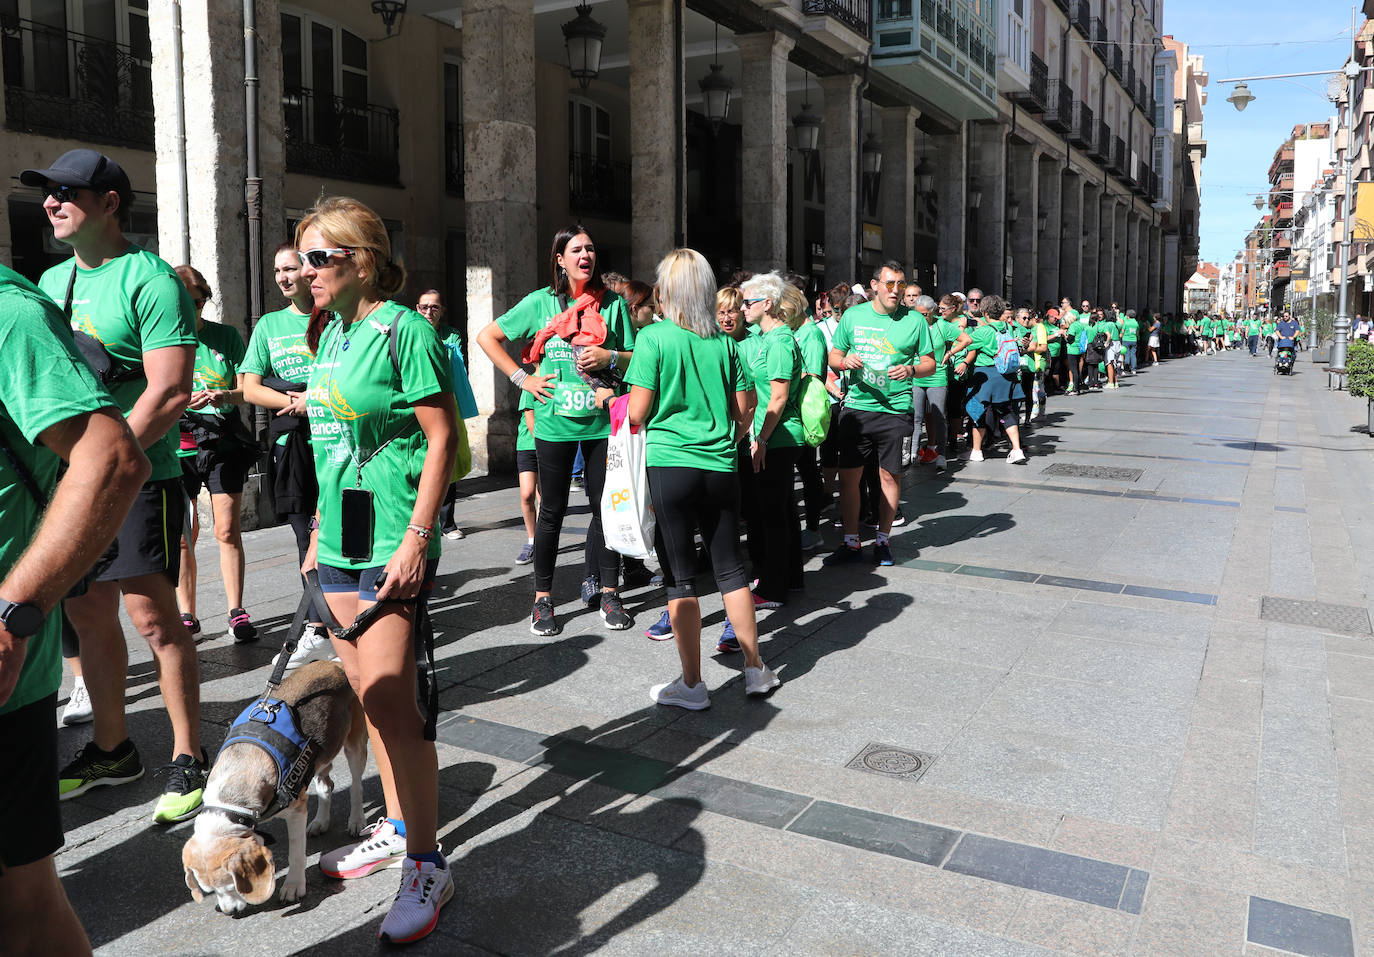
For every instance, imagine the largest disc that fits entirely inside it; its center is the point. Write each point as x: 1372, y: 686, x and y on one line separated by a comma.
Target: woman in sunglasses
x: 216, y: 452
x: 384, y: 425
x: 581, y: 336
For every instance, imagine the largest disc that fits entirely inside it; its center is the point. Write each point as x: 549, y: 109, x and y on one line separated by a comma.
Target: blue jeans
x: 1128, y: 355
x: 1254, y: 345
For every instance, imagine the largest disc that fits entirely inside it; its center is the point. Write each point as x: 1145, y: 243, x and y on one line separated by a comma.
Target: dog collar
x: 242, y: 816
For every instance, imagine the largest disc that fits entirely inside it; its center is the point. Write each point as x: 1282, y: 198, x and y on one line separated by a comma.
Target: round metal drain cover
x: 892, y: 761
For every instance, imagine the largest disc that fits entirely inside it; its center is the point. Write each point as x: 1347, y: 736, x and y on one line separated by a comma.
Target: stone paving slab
x: 1098, y: 690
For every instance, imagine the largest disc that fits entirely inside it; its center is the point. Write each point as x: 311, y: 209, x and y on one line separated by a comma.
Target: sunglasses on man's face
x: 63, y: 194
x: 319, y: 258
x: 888, y: 284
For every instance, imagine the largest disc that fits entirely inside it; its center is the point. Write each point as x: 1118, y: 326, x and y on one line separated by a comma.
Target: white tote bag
x: 627, y: 515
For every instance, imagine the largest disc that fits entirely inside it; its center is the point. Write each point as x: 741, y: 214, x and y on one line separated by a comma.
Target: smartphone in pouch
x: 355, y: 526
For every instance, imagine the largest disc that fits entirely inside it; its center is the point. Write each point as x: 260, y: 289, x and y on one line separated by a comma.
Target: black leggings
x: 776, y: 530
x: 813, y: 487
x: 555, y: 478
x: 688, y: 500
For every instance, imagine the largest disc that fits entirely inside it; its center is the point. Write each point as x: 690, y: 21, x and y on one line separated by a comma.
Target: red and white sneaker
x: 425, y: 887
x: 380, y: 848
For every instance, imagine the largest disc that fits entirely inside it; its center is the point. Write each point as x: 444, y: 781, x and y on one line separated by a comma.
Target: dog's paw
x: 356, y: 826
x: 317, y: 827
x: 292, y: 890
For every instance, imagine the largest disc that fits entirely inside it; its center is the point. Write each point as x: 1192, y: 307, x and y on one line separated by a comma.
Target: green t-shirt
x: 43, y: 381
x: 570, y: 414
x: 814, y: 351
x: 360, y: 413
x: 694, y: 380
x: 1039, y: 335
x: 1108, y: 328
x: 778, y: 358
x: 1056, y: 346
x: 1253, y: 327
x: 1076, y: 329
x: 133, y: 304
x: 943, y: 334
x: 219, y: 357
x: 524, y: 438
x: 1268, y: 328
x: 983, y: 348
x: 881, y: 342
x: 278, y: 349
x: 1130, y: 330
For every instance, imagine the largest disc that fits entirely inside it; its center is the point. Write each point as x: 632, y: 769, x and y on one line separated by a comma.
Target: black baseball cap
x: 87, y: 169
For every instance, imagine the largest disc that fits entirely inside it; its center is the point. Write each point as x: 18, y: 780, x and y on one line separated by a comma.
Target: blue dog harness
x: 270, y: 724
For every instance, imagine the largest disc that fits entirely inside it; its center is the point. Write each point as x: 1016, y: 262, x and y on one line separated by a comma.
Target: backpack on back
x: 1008, y: 359
x: 813, y: 407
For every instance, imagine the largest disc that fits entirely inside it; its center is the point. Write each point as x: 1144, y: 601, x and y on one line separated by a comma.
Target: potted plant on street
x: 1359, y: 370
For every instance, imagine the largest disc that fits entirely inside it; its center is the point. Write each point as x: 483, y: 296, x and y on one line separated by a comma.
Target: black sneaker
x: 241, y: 626
x: 882, y: 554
x: 184, y: 794
x: 636, y: 574
x: 591, y: 591
x: 94, y: 768
x: 613, y: 612
x: 898, y: 519
x: 192, y: 624
x: 542, y: 622
x: 844, y: 555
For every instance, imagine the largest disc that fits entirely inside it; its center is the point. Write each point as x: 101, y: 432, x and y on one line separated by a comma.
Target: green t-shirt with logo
x: 524, y: 438
x: 360, y: 413
x: 694, y: 380
x: 778, y: 358
x: 1130, y: 330
x: 814, y: 351
x: 983, y: 348
x: 570, y: 414
x: 43, y: 381
x: 219, y: 356
x: 1056, y: 346
x: 943, y: 334
x: 278, y: 348
x: 1267, y: 329
x: 881, y: 342
x: 1252, y: 327
x: 133, y: 304
x: 1076, y: 329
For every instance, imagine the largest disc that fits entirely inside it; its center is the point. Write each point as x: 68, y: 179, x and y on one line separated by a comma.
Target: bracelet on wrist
x: 518, y: 377
x: 424, y: 531
x: 314, y: 525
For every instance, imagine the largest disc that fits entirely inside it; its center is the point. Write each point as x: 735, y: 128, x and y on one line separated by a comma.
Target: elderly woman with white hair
x: 775, y: 364
x: 690, y: 392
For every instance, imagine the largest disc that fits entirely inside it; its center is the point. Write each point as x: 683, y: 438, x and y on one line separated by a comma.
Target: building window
x: 589, y: 129
x: 322, y: 57
x: 453, y: 126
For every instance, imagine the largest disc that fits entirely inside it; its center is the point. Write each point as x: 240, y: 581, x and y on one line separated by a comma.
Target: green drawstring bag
x: 815, y: 410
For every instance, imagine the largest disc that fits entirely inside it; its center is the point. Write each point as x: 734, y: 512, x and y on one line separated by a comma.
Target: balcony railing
x: 990, y: 61
x: 928, y: 12
x: 961, y: 39
x: 453, y: 158
x: 1130, y: 83
x: 976, y: 49
x: 341, y: 138
x: 1082, y: 129
x: 1034, y: 96
x: 944, y: 24
x: 1118, y: 160
x: 857, y: 15
x: 1097, y: 33
x: 1059, y: 106
x: 1080, y: 12
x: 598, y: 187
x: 65, y: 84
x: 1102, y: 141
x: 1114, y: 59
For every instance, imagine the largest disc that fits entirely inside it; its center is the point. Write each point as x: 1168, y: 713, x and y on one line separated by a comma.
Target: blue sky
x: 1246, y: 39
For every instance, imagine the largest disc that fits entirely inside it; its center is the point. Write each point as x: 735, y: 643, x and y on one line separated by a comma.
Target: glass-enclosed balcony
x: 947, y: 50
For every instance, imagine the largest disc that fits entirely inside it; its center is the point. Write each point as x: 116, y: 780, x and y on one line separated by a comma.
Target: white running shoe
x: 1015, y: 457
x: 760, y: 680
x: 972, y: 455
x: 680, y: 695
x: 313, y: 646
x: 380, y: 848
x: 78, y: 709
x: 425, y: 887
x: 453, y: 534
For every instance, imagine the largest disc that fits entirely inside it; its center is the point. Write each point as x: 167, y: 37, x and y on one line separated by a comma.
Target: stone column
x: 1106, y: 260
x: 951, y: 210
x: 1050, y: 201
x: 1023, y: 238
x: 1131, y: 296
x: 1070, y: 232
x: 897, y: 202
x: 1146, y: 262
x: 1125, y: 249
x: 1154, y: 297
x: 499, y: 185
x: 840, y: 151
x: 656, y: 193
x: 763, y: 154
x: 1091, y: 238
x: 988, y: 168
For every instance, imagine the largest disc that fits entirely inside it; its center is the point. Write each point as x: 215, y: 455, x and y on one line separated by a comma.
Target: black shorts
x: 863, y: 433
x: 149, y: 541
x: 526, y: 460
x: 222, y: 476
x: 28, y: 784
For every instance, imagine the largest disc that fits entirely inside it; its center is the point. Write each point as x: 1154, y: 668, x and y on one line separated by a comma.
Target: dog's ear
x: 197, y: 894
x: 254, y: 876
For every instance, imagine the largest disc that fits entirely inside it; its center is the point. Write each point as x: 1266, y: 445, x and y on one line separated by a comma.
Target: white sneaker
x: 380, y: 848
x: 425, y: 887
x: 678, y: 694
x: 454, y: 534
x: 1016, y: 456
x: 78, y: 709
x: 313, y: 646
x: 760, y: 680
x: 972, y: 455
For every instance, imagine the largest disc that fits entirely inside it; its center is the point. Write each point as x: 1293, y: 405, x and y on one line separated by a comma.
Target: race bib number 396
x: 574, y: 401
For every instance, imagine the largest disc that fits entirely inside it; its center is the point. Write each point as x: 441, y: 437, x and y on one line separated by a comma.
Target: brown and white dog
x: 226, y: 855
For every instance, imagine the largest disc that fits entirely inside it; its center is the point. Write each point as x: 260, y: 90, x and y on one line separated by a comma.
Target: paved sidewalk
x: 1119, y: 700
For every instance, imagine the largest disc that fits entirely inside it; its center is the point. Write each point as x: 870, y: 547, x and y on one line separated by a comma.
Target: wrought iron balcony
x: 1130, y: 82
x: 928, y: 12
x: 961, y: 38
x: 453, y: 158
x: 1097, y: 33
x: 1034, y: 96
x: 1118, y: 160
x: 598, y: 187
x: 857, y: 15
x: 1080, y: 12
x: 944, y: 24
x: 1113, y: 58
x: 340, y: 138
x: 976, y: 50
x: 1081, y: 131
x: 1059, y: 106
x: 60, y: 83
x: 1102, y: 141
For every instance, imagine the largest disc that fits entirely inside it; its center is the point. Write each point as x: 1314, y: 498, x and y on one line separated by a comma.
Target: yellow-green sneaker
x: 185, y: 790
x: 94, y: 768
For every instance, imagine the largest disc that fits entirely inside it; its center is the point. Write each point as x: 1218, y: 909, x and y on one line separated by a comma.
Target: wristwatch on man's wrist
x: 21, y: 619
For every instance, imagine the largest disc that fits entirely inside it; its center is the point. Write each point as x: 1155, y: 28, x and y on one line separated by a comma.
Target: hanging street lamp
x: 583, y: 37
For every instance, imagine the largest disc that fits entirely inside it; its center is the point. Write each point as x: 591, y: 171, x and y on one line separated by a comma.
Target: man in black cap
x: 135, y: 323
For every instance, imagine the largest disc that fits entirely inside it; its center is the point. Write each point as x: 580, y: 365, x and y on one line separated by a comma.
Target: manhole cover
x: 1104, y: 472
x: 1346, y: 619
x: 891, y: 761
